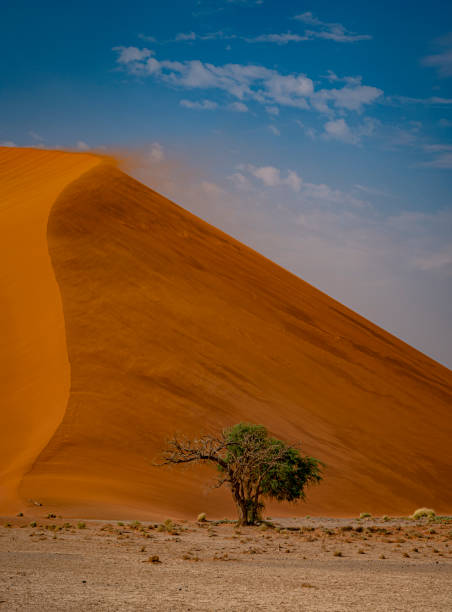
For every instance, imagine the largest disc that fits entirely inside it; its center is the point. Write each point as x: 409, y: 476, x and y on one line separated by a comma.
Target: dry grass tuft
x: 423, y: 513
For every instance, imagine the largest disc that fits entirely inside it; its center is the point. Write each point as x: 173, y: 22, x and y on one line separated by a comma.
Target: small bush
x: 202, y: 518
x: 338, y: 553
x: 423, y: 513
x: 365, y: 515
x: 33, y: 524
x: 81, y: 525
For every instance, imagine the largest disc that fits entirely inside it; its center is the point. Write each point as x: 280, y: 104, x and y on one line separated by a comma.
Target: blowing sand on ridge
x: 126, y: 316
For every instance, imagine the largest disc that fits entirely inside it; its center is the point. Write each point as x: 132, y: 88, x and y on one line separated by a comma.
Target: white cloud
x: 274, y: 130
x: 187, y: 36
x: 293, y: 181
x: 329, y: 31
x: 36, y: 136
x: 147, y: 38
x: 441, y: 61
x: 339, y: 130
x: 279, y: 39
x: 129, y: 55
x: 192, y: 36
x: 432, y: 101
x: 211, y: 189
x: 203, y: 105
x: 82, y: 145
x: 270, y: 177
x: 272, y: 110
x: 156, y: 154
x: 8, y: 143
x: 238, y: 107
x: 435, y: 261
x: 349, y: 97
x: 240, y: 181
x: 253, y: 82
x: 442, y: 161
x: 437, y: 148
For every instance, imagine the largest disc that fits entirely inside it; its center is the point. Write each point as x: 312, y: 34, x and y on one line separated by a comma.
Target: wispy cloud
x: 279, y: 39
x: 442, y: 61
x: 253, y: 82
x: 339, y: 129
x: 202, y: 105
x: 151, y: 39
x: 328, y: 30
x: 443, y: 161
x: 81, y: 145
x: 192, y: 36
x: 431, y: 101
x: 238, y: 107
x: 270, y: 176
x: 321, y: 29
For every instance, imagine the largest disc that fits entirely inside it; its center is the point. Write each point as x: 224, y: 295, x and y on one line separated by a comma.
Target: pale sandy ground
x: 105, y: 566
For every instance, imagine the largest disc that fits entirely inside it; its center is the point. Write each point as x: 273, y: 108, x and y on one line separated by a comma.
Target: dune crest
x: 173, y: 325
x: 34, y: 379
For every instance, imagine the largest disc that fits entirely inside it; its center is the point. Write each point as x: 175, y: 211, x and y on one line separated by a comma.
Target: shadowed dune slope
x: 173, y: 325
x: 34, y: 369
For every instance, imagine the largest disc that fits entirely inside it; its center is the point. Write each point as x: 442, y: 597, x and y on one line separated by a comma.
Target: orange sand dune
x: 34, y: 368
x: 172, y: 325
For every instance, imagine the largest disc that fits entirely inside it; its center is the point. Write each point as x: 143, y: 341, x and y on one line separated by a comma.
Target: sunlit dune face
x: 34, y: 366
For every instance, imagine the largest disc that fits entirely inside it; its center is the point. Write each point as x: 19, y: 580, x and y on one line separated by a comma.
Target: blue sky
x: 318, y: 133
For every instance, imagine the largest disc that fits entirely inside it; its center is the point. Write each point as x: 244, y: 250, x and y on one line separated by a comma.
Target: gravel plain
x: 300, y: 564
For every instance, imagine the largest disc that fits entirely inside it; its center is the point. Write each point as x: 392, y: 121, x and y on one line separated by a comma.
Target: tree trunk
x: 248, y: 512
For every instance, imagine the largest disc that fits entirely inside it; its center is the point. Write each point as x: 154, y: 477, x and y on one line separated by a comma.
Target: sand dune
x: 172, y: 325
x: 34, y: 369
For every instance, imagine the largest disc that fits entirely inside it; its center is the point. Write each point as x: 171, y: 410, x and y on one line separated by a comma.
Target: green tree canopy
x: 253, y: 464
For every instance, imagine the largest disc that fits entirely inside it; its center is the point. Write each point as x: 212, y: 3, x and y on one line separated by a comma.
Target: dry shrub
x: 423, y: 513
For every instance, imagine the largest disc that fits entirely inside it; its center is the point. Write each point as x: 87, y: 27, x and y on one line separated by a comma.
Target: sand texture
x: 319, y: 565
x: 34, y: 367
x: 133, y: 319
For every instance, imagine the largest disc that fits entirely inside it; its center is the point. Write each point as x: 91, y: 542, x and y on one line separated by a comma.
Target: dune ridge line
x: 33, y: 353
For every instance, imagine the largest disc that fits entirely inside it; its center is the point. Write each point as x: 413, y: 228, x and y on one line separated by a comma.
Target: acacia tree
x: 253, y: 465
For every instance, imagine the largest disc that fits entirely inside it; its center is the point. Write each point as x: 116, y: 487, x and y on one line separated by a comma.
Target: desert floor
x: 301, y: 564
